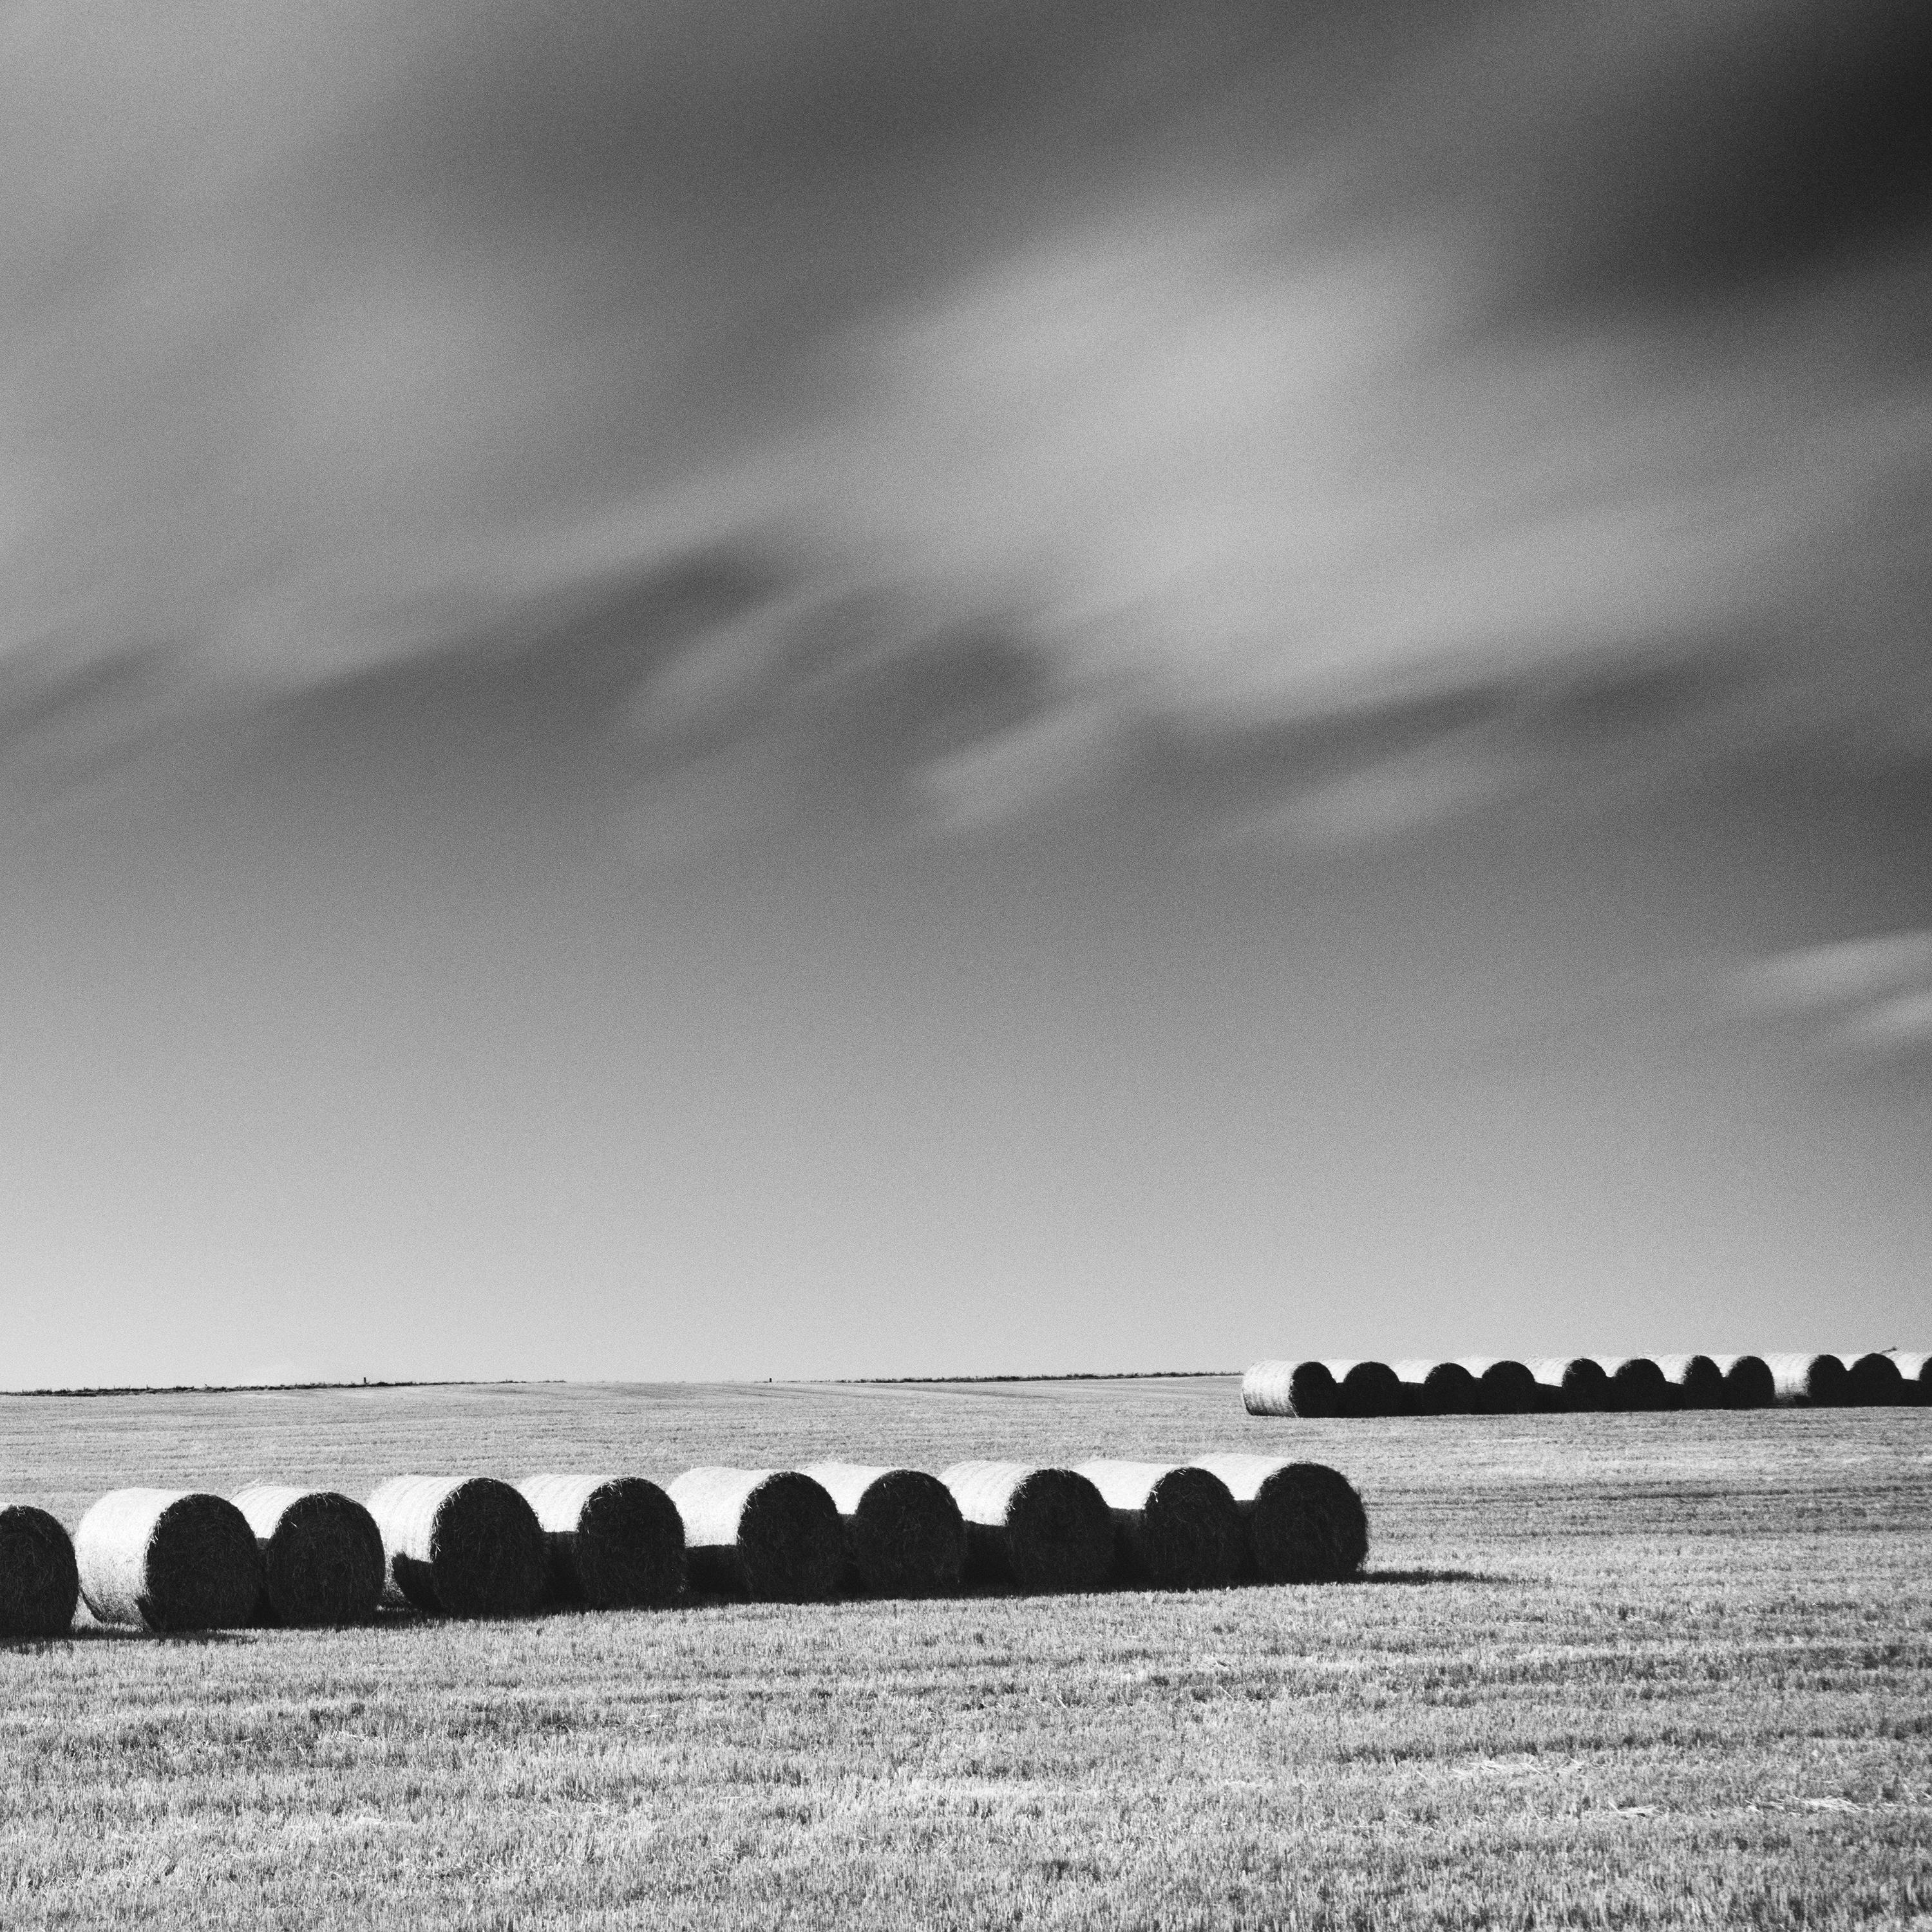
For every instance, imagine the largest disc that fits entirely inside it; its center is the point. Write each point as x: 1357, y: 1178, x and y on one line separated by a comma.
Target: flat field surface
x: 1604, y: 1671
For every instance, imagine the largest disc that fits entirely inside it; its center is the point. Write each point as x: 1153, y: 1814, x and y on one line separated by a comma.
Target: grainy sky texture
x: 837, y: 688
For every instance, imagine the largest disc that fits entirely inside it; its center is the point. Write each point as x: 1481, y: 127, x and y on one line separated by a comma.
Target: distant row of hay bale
x: 1486, y: 1385
x: 473, y: 1546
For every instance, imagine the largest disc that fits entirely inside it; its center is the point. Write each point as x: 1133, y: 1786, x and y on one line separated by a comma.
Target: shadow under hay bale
x: 615, y: 1542
x: 1872, y: 1382
x: 904, y: 1536
x: 169, y: 1560
x: 1304, y: 1521
x: 1577, y: 1381
x: 40, y: 1582
x: 1175, y: 1526
x: 1291, y: 1388
x: 460, y: 1546
x: 1507, y: 1388
x: 1698, y: 1381
x: 1812, y: 1381
x: 322, y: 1555
x: 1039, y: 1530
x: 1369, y: 1389
x: 773, y: 1535
x: 1748, y: 1382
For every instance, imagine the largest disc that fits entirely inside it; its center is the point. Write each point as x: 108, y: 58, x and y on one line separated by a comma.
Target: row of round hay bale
x: 1176, y: 1527
x: 771, y: 1534
x: 904, y: 1535
x: 1039, y: 1530
x: 40, y: 1582
x: 1304, y: 1522
x: 322, y: 1560
x: 460, y: 1546
x: 614, y: 1542
x: 168, y: 1560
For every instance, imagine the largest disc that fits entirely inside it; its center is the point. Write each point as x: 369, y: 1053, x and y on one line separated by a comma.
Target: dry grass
x: 1626, y: 1670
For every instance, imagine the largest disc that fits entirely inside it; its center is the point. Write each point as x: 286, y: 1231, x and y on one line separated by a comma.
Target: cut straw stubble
x: 39, y: 1584
x: 1305, y: 1523
x: 904, y: 1534
x: 1043, y: 1531
x: 615, y: 1542
x: 1175, y: 1526
x: 460, y: 1546
x: 770, y: 1534
x: 322, y: 1555
x: 168, y: 1560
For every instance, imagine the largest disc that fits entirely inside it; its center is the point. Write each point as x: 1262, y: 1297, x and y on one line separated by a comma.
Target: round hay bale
x: 1039, y: 1530
x: 1915, y: 1372
x: 1449, y: 1389
x: 1637, y: 1384
x: 1369, y: 1389
x: 1697, y: 1381
x: 460, y: 1546
x: 1874, y: 1382
x: 39, y: 1584
x: 904, y: 1536
x: 1289, y: 1388
x: 616, y: 1543
x: 771, y: 1534
x: 1507, y: 1388
x: 1578, y: 1382
x: 322, y: 1555
x: 1175, y: 1528
x: 1814, y: 1382
x: 1305, y: 1522
x: 1748, y: 1382
x: 169, y: 1560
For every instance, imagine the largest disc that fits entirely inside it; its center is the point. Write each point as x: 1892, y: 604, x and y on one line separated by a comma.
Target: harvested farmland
x: 1175, y: 1525
x: 322, y: 1555
x: 1305, y: 1522
x: 460, y: 1546
x: 1039, y: 1529
x: 771, y: 1534
x: 40, y: 1583
x: 904, y: 1536
x: 168, y: 1560
x: 615, y: 1542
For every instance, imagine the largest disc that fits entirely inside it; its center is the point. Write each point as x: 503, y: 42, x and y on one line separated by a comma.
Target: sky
x: 856, y: 687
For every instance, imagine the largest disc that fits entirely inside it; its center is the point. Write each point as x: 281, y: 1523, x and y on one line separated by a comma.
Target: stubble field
x: 1608, y: 1670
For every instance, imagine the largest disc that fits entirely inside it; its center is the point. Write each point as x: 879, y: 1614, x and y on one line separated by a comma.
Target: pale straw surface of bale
x: 616, y: 1543
x: 460, y: 1546
x: 322, y: 1555
x: 904, y: 1536
x: 771, y: 1534
x: 1818, y: 1380
x: 168, y: 1560
x: 39, y: 1584
x: 1305, y: 1523
x: 1039, y: 1529
x: 1293, y: 1388
x: 1175, y: 1526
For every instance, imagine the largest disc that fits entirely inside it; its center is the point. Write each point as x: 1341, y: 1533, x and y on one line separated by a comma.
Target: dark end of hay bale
x: 1702, y: 1384
x: 1370, y: 1389
x: 906, y: 1537
x: 1507, y: 1388
x: 1058, y: 1536
x: 486, y: 1554
x: 40, y: 1583
x: 791, y: 1544
x: 1307, y: 1526
x: 1749, y: 1384
x: 1585, y: 1387
x: 1872, y: 1382
x: 1449, y: 1389
x: 627, y: 1551
x: 1189, y: 1535
x: 1828, y: 1383
x: 323, y: 1564
x: 203, y: 1571
x: 1639, y: 1386
x: 1312, y: 1390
